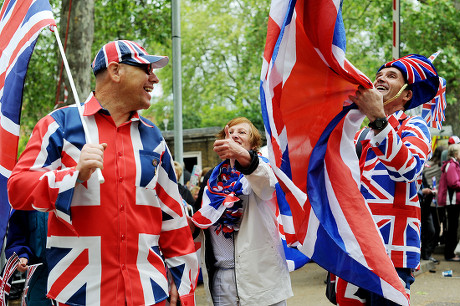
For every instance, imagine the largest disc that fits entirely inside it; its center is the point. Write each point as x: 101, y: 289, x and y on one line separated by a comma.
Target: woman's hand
x: 228, y: 148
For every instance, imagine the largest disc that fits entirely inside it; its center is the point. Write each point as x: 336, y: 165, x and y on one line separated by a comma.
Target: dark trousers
x: 453, y: 212
x: 437, y: 229
x: 428, y: 232
x: 442, y: 223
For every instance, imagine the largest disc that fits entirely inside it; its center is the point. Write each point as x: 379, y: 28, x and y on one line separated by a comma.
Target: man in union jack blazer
x: 126, y: 241
x: 393, y: 151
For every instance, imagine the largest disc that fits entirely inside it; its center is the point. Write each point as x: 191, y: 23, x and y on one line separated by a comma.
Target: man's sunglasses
x: 148, y: 68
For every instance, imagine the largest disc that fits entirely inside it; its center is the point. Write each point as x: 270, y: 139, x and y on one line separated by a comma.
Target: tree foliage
x: 426, y: 27
x: 222, y: 47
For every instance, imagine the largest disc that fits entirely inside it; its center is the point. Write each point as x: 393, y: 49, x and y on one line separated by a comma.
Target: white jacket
x: 262, y: 274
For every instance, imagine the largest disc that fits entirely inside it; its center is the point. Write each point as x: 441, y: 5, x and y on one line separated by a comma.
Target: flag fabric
x: 433, y: 111
x: 8, y: 271
x: 310, y: 125
x: 20, y: 24
x: 30, y: 271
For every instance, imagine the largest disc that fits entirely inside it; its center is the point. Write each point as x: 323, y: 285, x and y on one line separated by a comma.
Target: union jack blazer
x: 391, y: 164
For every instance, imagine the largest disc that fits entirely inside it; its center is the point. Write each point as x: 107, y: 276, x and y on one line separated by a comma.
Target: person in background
x: 125, y: 241
x: 243, y: 260
x: 195, y: 191
x: 449, y: 196
x: 452, y: 140
x: 27, y: 238
x: 184, y: 192
x: 204, y: 177
x: 427, y: 230
x: 432, y: 175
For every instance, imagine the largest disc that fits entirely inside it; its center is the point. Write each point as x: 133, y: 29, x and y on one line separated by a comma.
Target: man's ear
x: 114, y: 71
x: 407, y: 95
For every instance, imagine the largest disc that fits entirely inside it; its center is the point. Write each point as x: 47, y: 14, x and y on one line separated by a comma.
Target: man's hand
x: 22, y: 266
x: 229, y: 149
x: 427, y: 191
x: 91, y: 158
x: 369, y: 102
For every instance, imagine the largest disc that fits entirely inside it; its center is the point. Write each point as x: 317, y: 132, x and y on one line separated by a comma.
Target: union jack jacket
x: 391, y: 164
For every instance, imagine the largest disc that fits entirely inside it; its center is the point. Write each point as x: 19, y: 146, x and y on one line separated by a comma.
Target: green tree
x: 148, y: 22
x: 222, y: 48
x: 426, y: 27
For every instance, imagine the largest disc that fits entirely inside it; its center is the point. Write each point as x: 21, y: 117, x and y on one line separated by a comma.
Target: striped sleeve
x: 38, y: 180
x: 404, y: 154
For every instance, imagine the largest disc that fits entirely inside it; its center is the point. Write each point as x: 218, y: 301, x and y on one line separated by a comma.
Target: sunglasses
x: 148, y: 68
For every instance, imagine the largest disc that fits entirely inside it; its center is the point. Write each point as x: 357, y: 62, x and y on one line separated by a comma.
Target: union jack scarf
x: 5, y: 287
x: 224, y: 209
x: 30, y: 271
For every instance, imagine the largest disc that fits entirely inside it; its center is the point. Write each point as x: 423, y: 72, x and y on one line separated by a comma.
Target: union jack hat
x: 420, y: 75
x: 128, y: 52
x: 454, y: 140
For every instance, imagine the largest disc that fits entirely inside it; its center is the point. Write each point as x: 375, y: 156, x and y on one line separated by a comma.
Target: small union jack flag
x: 30, y: 271
x: 433, y: 111
x: 5, y: 287
x: 434, y: 56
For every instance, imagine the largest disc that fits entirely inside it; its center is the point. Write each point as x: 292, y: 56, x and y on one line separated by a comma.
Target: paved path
x: 429, y: 289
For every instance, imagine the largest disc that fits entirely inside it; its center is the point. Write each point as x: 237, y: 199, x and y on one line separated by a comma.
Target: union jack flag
x: 433, y: 111
x: 20, y: 25
x: 305, y: 82
x: 5, y: 287
x: 30, y: 271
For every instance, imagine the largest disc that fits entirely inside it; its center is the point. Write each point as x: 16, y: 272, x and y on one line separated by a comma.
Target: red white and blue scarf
x: 221, y: 205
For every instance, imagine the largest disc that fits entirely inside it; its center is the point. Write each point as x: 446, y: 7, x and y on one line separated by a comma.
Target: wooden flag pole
x: 77, y: 100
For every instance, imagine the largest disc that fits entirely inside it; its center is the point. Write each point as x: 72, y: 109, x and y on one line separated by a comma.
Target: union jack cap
x: 454, y: 140
x: 125, y: 51
x: 420, y: 74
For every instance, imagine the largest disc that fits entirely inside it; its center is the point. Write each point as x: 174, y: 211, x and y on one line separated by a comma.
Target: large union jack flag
x: 21, y: 22
x: 305, y: 82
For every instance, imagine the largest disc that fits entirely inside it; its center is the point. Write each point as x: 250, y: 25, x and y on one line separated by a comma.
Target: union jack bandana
x: 221, y: 205
x: 5, y: 287
x: 420, y: 74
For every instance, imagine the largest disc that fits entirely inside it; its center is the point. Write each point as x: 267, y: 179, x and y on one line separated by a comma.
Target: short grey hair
x: 453, y: 150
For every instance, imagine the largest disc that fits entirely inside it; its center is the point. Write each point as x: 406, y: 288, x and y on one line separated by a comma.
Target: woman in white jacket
x: 243, y: 260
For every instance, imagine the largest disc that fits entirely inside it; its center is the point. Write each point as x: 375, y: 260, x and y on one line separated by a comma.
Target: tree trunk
x: 79, y: 35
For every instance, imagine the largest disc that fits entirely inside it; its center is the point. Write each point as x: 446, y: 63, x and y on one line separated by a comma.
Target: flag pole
x: 396, y: 23
x: 75, y: 95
